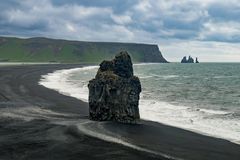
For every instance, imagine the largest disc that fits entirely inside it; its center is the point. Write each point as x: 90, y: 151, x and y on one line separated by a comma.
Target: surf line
x: 108, y: 138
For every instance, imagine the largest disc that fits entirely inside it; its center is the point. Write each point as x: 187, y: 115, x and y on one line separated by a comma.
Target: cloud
x: 143, y: 6
x: 121, y: 19
x: 163, y: 22
x: 70, y: 27
x: 221, y: 31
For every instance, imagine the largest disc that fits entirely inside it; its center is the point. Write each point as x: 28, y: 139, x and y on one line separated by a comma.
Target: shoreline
x: 19, y: 86
x: 64, y: 87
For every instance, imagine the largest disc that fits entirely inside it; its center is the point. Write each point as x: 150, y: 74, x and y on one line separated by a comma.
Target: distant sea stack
x: 114, y: 92
x: 65, y: 51
x: 196, y: 61
x: 188, y: 60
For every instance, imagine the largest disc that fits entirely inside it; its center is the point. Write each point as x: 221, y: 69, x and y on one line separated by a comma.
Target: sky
x: 207, y: 29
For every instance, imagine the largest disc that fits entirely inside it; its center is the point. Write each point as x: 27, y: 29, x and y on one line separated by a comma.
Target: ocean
x: 203, y: 98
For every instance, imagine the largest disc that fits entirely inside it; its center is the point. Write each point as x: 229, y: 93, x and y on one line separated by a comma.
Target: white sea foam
x: 197, y: 120
x: 219, y: 77
x: 165, y: 76
x: 192, y: 119
x: 209, y: 111
x: 59, y: 82
x: 145, y: 77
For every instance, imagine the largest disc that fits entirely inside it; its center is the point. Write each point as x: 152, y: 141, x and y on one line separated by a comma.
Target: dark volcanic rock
x: 189, y: 60
x: 196, y: 60
x: 114, y: 92
x: 123, y: 65
x: 184, y: 60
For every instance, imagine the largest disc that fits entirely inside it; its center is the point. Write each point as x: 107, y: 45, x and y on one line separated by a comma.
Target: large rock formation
x: 189, y: 60
x: 184, y: 60
x: 196, y: 61
x: 114, y: 92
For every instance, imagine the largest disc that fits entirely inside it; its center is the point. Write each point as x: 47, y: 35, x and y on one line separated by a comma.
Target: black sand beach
x: 39, y: 123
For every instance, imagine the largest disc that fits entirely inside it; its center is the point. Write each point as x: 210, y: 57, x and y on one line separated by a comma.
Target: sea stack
x: 114, y: 92
x: 196, y: 60
x: 184, y: 60
x: 189, y: 60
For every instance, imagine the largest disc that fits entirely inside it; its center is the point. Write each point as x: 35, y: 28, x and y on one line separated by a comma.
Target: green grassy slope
x: 52, y: 50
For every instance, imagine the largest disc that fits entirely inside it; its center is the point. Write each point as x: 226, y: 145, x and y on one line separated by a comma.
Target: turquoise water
x: 203, y: 98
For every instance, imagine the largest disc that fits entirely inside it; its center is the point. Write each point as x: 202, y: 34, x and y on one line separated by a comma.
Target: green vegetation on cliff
x: 52, y: 50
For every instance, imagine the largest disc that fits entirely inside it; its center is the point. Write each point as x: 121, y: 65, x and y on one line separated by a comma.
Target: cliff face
x: 52, y: 50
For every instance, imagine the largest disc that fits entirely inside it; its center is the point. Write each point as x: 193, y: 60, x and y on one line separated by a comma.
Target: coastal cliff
x: 64, y: 51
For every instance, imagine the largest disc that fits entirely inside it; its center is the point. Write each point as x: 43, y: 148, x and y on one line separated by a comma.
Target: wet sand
x: 46, y: 127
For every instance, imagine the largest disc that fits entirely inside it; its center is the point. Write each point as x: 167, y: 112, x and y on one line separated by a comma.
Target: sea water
x: 204, y: 98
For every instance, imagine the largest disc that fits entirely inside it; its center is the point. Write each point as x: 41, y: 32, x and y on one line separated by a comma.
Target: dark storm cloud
x: 225, y: 12
x: 122, y: 20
